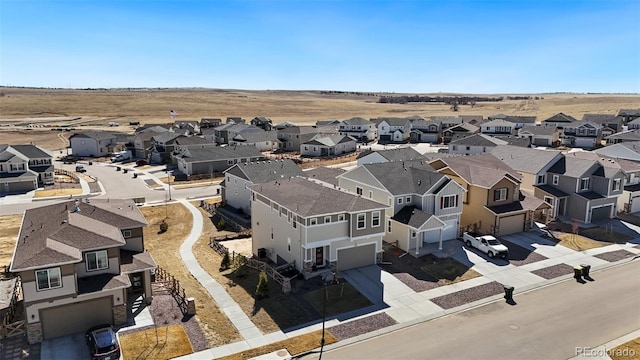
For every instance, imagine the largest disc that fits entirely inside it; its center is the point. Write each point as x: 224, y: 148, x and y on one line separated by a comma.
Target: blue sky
x: 504, y: 46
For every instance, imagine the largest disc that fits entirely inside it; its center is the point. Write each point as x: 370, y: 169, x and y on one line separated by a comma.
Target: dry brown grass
x: 626, y: 351
x: 57, y: 192
x: 295, y: 345
x: 576, y: 242
x: 165, y: 249
x: 97, y: 108
x: 156, y: 344
x: 343, y: 161
x: 276, y: 312
x: 9, y: 228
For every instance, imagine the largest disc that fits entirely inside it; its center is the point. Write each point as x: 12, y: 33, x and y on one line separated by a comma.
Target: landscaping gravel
x: 416, y: 284
x: 554, y: 271
x: 362, y: 326
x: 165, y: 311
x: 466, y: 296
x: 519, y: 256
x: 614, y: 256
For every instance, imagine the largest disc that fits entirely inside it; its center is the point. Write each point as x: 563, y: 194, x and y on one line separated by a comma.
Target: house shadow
x: 521, y: 254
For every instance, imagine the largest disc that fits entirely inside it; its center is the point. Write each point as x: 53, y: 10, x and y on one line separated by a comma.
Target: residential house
x: 629, y: 200
x: 579, y: 189
x: 262, y: 140
x: 447, y: 122
x: 492, y: 202
x: 292, y: 137
x: 92, y: 143
x: 476, y: 120
x: 611, y: 124
x: 400, y: 154
x: 396, y: 130
x: 24, y: 167
x: 142, y: 142
x: 206, y: 123
x: 210, y: 160
x: 315, y: 227
x: 474, y: 144
x: 162, y: 146
x: 629, y: 114
x: 559, y: 120
x: 238, y: 180
x: 330, y: 145
x: 362, y: 130
x: 423, y: 206
x: 582, y: 134
x: 623, y: 136
x: 498, y: 127
x: 334, y: 123
x: 225, y: 133
x: 520, y: 121
x: 262, y: 122
x: 283, y: 125
x: 462, y: 130
x: 622, y: 150
x: 541, y: 135
x: 423, y: 131
x: 79, y: 262
x: 634, y: 124
x: 235, y: 120
x: 186, y: 127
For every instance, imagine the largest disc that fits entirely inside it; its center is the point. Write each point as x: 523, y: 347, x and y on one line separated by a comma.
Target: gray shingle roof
x: 399, y: 154
x: 464, y: 127
x: 405, y: 177
x: 629, y: 112
x: 298, y: 130
x: 478, y: 140
x: 307, y: 198
x: 31, y: 151
x: 393, y: 121
x: 539, y: 130
x: 498, y: 122
x: 629, y: 135
x: 258, y: 136
x: 520, y: 119
x: 96, y: 135
x: 573, y: 167
x: 412, y: 216
x: 560, y: 117
x: 357, y: 121
x: 265, y: 171
x: 326, y: 174
x: 57, y: 234
x: 167, y: 136
x: 524, y: 159
x: 331, y: 140
x: 483, y: 170
x: 192, y: 140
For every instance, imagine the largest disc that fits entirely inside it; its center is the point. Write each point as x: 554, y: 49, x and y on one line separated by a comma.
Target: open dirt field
x: 9, y: 228
x: 91, y: 109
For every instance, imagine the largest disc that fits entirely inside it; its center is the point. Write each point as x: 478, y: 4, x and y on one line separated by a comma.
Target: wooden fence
x: 239, y: 260
x: 173, y: 284
x: 8, y: 327
x: 71, y: 174
x: 228, y: 221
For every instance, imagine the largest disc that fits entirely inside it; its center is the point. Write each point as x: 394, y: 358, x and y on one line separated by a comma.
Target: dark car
x: 142, y: 162
x: 103, y: 343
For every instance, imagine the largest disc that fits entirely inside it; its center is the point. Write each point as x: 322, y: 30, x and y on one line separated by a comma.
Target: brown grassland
x: 9, y: 228
x: 156, y: 344
x: 91, y: 108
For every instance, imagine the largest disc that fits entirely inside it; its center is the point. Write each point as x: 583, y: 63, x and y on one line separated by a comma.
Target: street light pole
x: 169, y: 178
x: 324, y: 312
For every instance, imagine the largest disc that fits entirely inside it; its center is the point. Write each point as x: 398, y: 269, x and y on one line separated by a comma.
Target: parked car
x: 142, y: 162
x: 486, y: 243
x: 103, y: 343
x: 80, y: 169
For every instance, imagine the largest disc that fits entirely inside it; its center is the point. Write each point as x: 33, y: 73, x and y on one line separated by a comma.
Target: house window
x: 407, y: 200
x: 468, y: 148
x: 584, y: 184
x: 556, y: 179
x: 358, y: 190
x: 293, y: 223
x: 97, y: 260
x: 229, y: 162
x: 542, y: 179
x: 548, y: 200
x: 327, y: 219
x: 616, y: 184
x: 375, y: 219
x: 370, y: 194
x: 126, y: 233
x: 341, y: 217
x: 389, y: 226
x: 48, y: 279
x: 361, y: 221
x: 449, y: 201
x: 306, y: 148
x: 272, y: 233
x: 413, y: 234
x: 313, y: 221
x: 500, y: 194
x: 399, y: 200
x: 454, y: 147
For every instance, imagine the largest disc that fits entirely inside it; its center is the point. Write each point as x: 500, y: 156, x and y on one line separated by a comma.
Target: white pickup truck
x: 486, y: 243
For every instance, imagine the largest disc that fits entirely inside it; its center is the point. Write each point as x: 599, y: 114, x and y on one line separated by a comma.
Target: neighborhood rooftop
x: 265, y: 171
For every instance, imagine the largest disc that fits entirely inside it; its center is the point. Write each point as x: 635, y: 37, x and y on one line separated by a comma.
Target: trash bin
x: 577, y: 272
x: 135, y: 175
x: 118, y: 168
x: 125, y: 171
x: 585, y: 270
x: 90, y: 162
x: 508, y: 292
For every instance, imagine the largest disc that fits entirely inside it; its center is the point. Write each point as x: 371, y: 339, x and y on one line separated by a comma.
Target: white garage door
x: 78, y: 317
x: 450, y: 230
x: 635, y: 204
x: 511, y: 225
x: 356, y: 257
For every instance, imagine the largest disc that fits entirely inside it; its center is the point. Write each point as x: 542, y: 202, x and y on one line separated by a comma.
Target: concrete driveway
x: 65, y: 347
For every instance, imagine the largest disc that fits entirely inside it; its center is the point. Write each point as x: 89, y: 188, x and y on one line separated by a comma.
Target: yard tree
x: 262, y: 290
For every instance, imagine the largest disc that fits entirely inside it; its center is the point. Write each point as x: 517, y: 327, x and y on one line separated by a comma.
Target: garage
x: 77, y: 317
x: 356, y: 257
x: 635, y: 204
x: 450, y: 230
x: 511, y: 224
x: 601, y: 213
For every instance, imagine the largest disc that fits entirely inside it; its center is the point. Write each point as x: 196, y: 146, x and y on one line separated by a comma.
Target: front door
x: 319, y: 256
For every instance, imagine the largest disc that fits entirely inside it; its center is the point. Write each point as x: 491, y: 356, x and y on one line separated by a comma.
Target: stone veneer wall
x: 34, y: 333
x: 119, y: 314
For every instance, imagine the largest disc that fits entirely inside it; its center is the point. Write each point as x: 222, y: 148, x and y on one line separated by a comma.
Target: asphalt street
x: 547, y: 323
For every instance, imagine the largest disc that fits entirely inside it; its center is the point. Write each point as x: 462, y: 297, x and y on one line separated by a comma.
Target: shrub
x: 226, y: 261
x: 262, y: 290
x: 221, y: 225
x: 164, y: 227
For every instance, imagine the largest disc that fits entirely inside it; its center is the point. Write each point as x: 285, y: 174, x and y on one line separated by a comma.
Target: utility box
x: 191, y: 306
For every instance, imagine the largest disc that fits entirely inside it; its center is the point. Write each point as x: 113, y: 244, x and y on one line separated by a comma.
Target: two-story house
x: 558, y: 120
x: 262, y: 140
x: 224, y: 134
x: 463, y: 130
x: 262, y: 122
x: 238, y: 180
x: 361, y: 129
x: 292, y: 137
x: 396, y: 130
x: 423, y: 131
x: 623, y: 136
x: 210, y: 160
x: 498, y: 127
x: 328, y: 145
x: 611, y: 124
x: 492, y: 202
x: 582, y: 134
x: 399, y: 154
x: 92, y: 143
x: 629, y: 114
x: 314, y: 226
x: 79, y: 262
x: 423, y: 206
x: 623, y: 150
x: 162, y: 146
x: 24, y: 167
x: 548, y: 136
